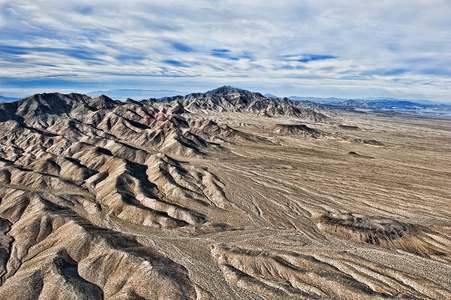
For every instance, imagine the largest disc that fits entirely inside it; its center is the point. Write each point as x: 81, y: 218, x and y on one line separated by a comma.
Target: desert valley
x: 226, y: 194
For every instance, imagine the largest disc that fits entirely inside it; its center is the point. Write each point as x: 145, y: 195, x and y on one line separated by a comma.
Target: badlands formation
x: 221, y: 195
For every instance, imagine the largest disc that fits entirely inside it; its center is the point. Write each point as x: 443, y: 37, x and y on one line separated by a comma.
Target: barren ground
x: 357, y: 207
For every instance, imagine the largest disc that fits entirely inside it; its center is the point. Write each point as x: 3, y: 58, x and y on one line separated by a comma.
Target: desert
x: 227, y: 194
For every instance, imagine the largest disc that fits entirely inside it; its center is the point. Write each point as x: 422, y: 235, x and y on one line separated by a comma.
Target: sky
x: 318, y: 48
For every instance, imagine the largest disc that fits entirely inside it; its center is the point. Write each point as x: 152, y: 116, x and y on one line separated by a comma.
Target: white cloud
x: 394, y: 46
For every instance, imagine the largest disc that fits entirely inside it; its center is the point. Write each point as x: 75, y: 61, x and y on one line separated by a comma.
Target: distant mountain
x: 403, y: 106
x: 316, y: 99
x: 270, y: 96
x: 352, y: 104
x: 380, y: 104
x: 8, y: 99
x: 137, y: 94
x: 395, y: 99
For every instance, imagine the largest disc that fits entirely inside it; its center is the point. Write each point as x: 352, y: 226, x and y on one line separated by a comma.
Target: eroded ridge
x: 319, y: 274
x: 158, y: 193
x: 106, y: 149
x: 54, y: 253
x: 50, y: 120
x: 385, y: 232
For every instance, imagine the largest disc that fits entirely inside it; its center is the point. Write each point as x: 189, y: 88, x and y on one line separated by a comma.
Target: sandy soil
x: 357, y: 207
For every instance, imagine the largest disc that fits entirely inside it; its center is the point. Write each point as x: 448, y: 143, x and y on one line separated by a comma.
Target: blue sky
x: 322, y: 48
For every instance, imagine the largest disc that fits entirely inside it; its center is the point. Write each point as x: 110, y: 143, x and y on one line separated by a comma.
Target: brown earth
x: 140, y: 200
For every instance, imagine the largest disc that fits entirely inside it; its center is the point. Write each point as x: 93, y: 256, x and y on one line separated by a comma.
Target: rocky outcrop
x: 384, y: 232
x: 297, y: 129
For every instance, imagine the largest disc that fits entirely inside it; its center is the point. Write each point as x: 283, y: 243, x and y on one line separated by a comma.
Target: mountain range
x: 123, y: 94
x: 381, y: 104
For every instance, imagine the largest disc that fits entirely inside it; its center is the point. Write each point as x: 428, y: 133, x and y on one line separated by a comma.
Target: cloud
x: 174, y: 63
x: 304, y: 58
x: 384, y: 46
x: 182, y: 47
x: 223, y: 53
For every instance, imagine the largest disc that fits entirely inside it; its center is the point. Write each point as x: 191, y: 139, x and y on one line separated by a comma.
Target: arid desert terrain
x: 221, y: 195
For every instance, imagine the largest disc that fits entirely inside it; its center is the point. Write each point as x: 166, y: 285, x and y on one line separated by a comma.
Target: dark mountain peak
x: 42, y: 106
x: 54, y: 98
x: 101, y: 101
x: 226, y: 90
x: 231, y: 99
x: 104, y: 98
x: 223, y: 91
x: 38, y: 104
